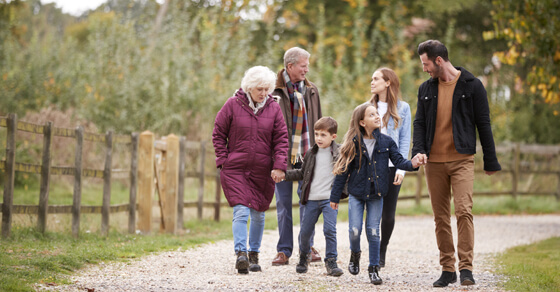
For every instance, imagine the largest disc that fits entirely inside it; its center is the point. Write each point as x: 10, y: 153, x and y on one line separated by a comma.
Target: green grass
x: 533, y: 267
x: 29, y: 257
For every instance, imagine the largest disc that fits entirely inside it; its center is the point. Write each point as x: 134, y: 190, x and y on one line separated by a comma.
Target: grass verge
x: 30, y: 257
x: 532, y: 267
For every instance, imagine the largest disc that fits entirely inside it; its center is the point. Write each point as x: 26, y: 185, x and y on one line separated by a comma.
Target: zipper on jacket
x: 375, y: 172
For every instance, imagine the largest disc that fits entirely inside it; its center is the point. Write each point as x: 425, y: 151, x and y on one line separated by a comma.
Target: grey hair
x: 258, y: 76
x: 293, y: 55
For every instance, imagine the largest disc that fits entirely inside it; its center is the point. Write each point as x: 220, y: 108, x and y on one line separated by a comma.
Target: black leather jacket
x: 470, y: 112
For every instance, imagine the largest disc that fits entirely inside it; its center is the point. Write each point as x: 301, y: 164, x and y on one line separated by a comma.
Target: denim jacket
x: 360, y: 177
x: 401, y: 135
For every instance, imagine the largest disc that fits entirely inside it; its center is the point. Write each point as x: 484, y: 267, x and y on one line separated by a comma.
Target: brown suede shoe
x: 315, y: 256
x: 280, y: 259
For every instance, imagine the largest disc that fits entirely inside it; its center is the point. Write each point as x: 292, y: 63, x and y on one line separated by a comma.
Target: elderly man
x: 299, y: 101
x: 452, y: 107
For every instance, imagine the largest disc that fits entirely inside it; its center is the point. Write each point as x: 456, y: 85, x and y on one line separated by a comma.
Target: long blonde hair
x: 347, y: 150
x: 393, y: 93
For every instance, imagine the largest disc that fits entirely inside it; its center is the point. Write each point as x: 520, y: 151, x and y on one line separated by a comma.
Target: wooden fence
x: 78, y: 172
x: 142, y: 175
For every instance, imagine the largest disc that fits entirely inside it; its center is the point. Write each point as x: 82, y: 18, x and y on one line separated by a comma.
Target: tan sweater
x: 443, y: 147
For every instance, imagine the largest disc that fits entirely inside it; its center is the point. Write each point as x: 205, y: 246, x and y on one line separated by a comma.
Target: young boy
x: 317, y: 175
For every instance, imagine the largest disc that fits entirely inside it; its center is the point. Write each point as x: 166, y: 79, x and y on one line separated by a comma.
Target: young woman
x: 395, y: 122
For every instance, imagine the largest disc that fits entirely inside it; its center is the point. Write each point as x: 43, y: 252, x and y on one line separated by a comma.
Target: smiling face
x: 298, y: 70
x: 371, y: 120
x: 324, y: 138
x: 378, y: 84
x: 430, y: 67
x: 258, y: 94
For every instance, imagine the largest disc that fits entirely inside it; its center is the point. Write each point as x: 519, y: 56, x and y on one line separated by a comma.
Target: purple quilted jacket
x: 248, y: 147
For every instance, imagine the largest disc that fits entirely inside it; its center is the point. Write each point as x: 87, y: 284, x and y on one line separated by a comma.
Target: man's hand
x: 419, y: 159
x: 490, y: 172
x: 334, y: 206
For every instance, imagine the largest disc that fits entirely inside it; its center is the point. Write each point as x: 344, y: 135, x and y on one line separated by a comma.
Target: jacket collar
x: 281, y: 83
x: 466, y: 76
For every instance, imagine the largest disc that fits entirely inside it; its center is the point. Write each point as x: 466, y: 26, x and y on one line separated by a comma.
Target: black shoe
x: 254, y: 262
x: 373, y: 272
x: 466, y: 277
x: 354, y: 265
x: 382, y: 259
x: 242, y: 263
x: 445, y: 279
x: 332, y: 267
x: 304, y: 259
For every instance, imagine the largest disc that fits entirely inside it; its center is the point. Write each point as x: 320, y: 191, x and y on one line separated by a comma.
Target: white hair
x: 258, y: 76
x: 293, y: 55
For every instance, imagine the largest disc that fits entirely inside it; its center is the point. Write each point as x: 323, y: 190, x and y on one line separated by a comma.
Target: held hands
x: 277, y: 175
x: 334, y: 206
x: 419, y: 159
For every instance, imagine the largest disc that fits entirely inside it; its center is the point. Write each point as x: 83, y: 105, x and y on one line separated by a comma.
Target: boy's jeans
x: 239, y: 227
x: 374, y: 209
x: 312, y: 211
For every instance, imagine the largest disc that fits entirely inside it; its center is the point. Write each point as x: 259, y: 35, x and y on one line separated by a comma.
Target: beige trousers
x: 443, y: 179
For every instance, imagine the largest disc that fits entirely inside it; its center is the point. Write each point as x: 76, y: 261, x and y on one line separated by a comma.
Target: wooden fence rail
x: 141, y: 175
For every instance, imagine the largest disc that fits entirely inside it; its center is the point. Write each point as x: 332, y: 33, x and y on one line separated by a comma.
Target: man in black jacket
x: 452, y: 106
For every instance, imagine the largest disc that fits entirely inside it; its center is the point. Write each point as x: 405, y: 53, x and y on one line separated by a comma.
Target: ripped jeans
x: 373, y: 208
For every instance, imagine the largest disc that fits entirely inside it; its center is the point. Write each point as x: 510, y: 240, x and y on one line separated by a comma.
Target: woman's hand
x: 398, y: 179
x: 277, y: 175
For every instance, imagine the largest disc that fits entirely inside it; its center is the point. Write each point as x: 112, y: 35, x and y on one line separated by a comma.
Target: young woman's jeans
x: 241, y: 215
x: 373, y: 209
x: 313, y: 210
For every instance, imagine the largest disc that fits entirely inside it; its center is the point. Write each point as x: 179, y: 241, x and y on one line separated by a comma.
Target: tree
x: 531, y: 30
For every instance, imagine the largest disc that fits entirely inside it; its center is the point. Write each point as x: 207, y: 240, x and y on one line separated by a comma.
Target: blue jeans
x: 313, y: 210
x: 239, y: 227
x: 374, y: 208
x: 283, y: 193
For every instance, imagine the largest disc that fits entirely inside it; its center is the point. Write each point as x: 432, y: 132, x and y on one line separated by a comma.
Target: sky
x: 77, y: 7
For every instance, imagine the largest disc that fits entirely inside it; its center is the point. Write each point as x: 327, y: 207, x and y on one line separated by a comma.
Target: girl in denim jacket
x: 363, y: 164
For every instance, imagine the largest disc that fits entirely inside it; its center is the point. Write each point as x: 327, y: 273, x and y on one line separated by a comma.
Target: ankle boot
x: 254, y: 262
x: 304, y: 259
x: 242, y: 263
x: 382, y: 259
x: 354, y: 265
x: 374, y: 275
x: 332, y: 267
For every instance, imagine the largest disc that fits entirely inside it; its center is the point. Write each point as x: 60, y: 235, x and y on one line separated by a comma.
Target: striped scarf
x: 300, y: 131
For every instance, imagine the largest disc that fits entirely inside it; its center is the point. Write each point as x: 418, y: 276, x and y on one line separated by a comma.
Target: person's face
x: 323, y: 138
x: 430, y: 67
x: 378, y: 84
x: 371, y: 119
x: 258, y: 94
x: 298, y: 70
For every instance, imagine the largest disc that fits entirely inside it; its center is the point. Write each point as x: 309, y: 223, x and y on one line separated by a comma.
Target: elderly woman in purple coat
x: 251, y: 143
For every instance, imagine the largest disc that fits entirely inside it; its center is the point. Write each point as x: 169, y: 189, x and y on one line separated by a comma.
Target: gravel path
x: 412, y: 262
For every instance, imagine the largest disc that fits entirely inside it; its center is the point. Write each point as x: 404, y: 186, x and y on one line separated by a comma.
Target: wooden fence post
x: 145, y: 181
x: 419, y: 184
x: 45, y: 178
x: 107, y: 184
x: 171, y: 179
x: 218, y: 197
x: 181, y: 182
x: 515, y: 170
x: 77, y: 197
x: 201, y: 179
x: 9, y: 173
x: 133, y: 183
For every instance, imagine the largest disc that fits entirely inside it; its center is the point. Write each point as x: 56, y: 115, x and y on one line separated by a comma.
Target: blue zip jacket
x: 377, y: 170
